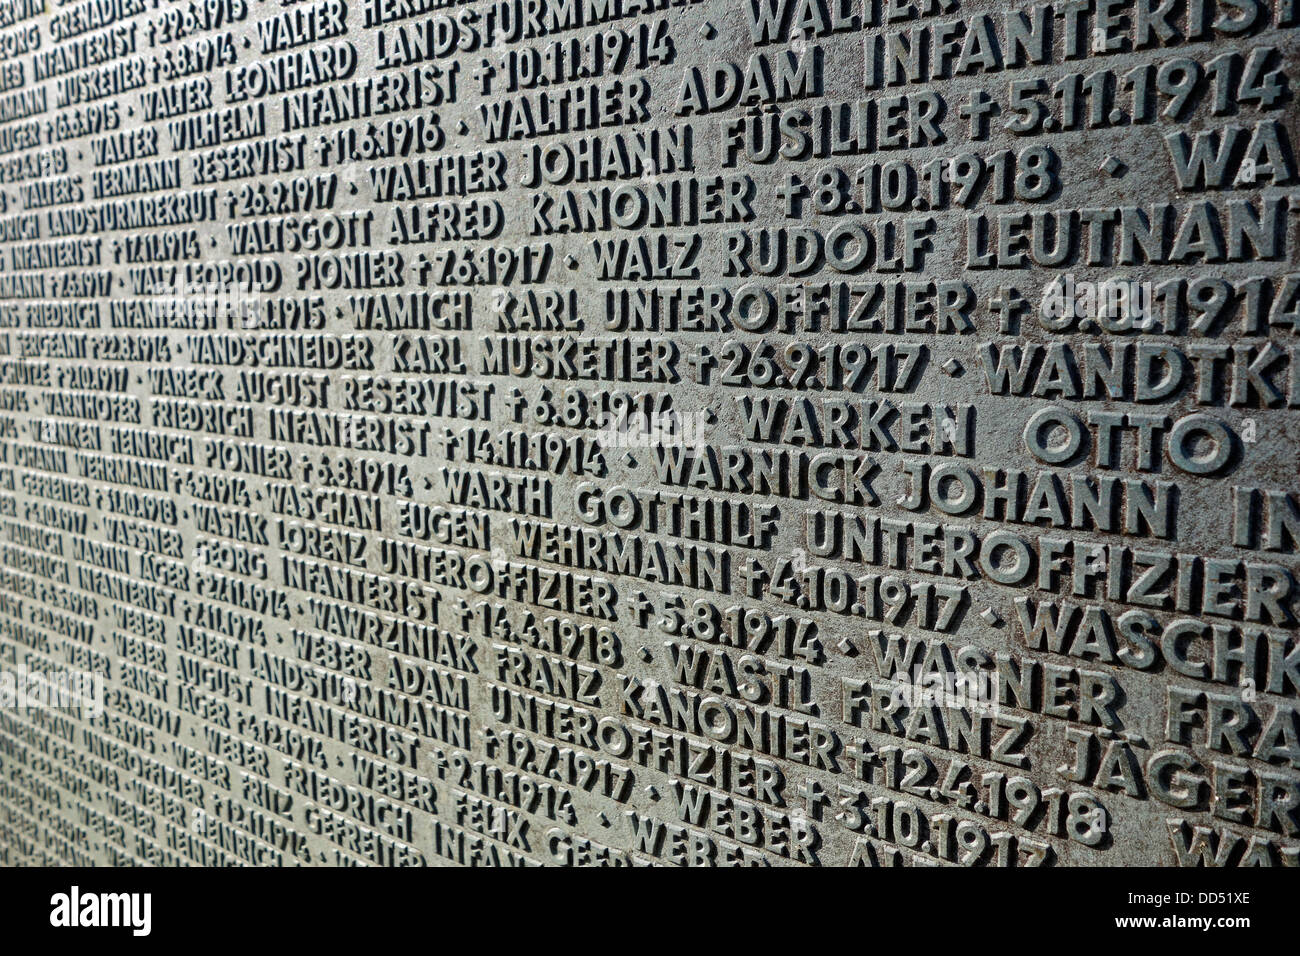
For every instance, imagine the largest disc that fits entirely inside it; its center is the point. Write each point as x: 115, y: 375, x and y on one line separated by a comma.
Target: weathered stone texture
x: 628, y: 431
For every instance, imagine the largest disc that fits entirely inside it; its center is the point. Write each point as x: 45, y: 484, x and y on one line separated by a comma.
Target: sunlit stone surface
x: 810, y: 432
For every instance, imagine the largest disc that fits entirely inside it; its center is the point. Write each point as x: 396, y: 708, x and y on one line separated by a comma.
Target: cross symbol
x: 790, y: 191
x: 701, y: 360
x: 641, y: 606
x: 814, y: 795
x: 484, y: 73
x: 976, y: 109
x: 863, y: 757
x: 1007, y: 304
x: 466, y: 613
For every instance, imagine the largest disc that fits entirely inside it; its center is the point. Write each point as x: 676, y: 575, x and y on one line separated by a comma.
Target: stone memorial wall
x: 623, y: 432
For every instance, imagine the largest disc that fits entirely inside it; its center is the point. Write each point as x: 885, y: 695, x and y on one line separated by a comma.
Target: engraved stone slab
x: 622, y: 432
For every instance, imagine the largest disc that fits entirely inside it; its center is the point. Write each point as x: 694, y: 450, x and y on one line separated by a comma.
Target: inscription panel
x: 624, y: 432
